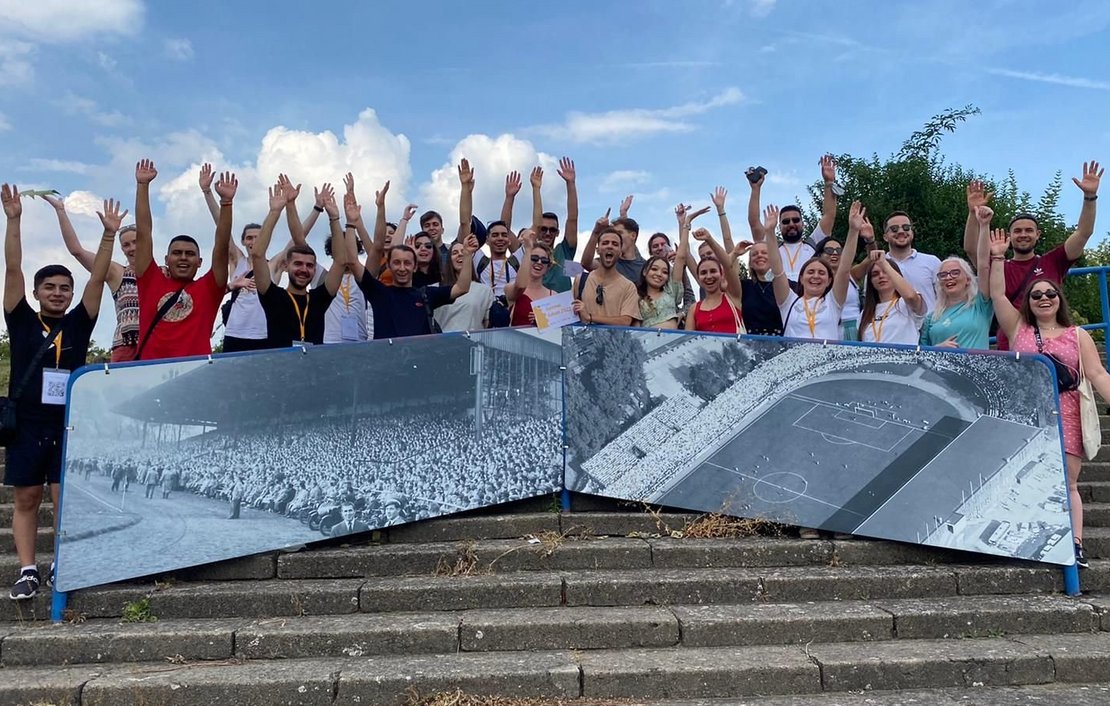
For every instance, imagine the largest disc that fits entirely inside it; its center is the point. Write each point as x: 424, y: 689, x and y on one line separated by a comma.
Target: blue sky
x: 660, y: 99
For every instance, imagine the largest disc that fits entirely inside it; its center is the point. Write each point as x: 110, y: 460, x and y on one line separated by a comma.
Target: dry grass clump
x: 716, y: 525
x: 464, y: 563
x: 460, y: 698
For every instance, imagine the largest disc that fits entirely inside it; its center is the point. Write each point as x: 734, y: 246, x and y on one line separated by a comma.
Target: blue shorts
x: 35, y: 456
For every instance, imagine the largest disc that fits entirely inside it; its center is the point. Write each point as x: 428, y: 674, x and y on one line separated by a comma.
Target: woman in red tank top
x: 528, y: 286
x: 719, y: 310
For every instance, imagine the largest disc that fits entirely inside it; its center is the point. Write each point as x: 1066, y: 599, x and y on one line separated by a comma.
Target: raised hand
x: 471, y: 244
x: 984, y: 214
x: 770, y: 218
x: 145, y: 171
x: 535, y: 178
x: 351, y: 208
x: 977, y: 195
x: 9, y: 195
x: 877, y: 256
x: 324, y: 193
x: 291, y: 192
x: 625, y: 205
x: 828, y: 168
x: 227, y: 186
x: 680, y: 213
x: 277, y: 197
x: 857, y: 214
x: 349, y: 183
x: 379, y: 196
x: 718, y: 197
x: 110, y: 217
x: 758, y: 182
x: 1000, y: 242
x: 742, y: 247
x: 512, y: 183
x: 466, y: 174
x: 55, y: 201
x: 1092, y: 174
x: 206, y: 177
x: 566, y: 169
x: 691, y: 215
x: 529, y: 237
x: 867, y: 231
x: 410, y: 211
x: 603, y: 222
x: 329, y: 202
x: 701, y: 234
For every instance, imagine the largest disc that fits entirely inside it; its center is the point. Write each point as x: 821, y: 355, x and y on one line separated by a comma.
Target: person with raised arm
x: 529, y: 284
x: 176, y: 310
x: 546, y: 226
x: 797, y: 249
x: 815, y: 313
x: 963, y: 311
x: 660, y: 286
x: 45, y: 346
x: 893, y: 310
x: 629, y: 264
x: 919, y: 268
x: 120, y: 280
x: 604, y: 295
x: 1043, y: 324
x: 1025, y: 232
x: 501, y: 265
x: 469, y: 312
x: 427, y: 262
x: 721, y: 309
x: 294, y: 314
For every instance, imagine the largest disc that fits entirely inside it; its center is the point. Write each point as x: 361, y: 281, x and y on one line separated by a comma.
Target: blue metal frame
x: 1104, y: 300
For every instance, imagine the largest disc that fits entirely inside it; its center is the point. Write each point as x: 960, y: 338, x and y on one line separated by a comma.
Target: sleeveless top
x: 246, y: 319
x: 126, y: 298
x: 522, y: 307
x: 724, y: 318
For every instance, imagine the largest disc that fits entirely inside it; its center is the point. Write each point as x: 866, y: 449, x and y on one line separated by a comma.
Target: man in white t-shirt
x: 498, y: 269
x: 919, y: 268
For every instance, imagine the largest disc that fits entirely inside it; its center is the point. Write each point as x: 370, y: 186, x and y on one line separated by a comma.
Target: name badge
x: 348, y: 328
x: 54, y: 383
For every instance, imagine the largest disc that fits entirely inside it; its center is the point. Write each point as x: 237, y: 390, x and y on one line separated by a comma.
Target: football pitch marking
x: 756, y: 480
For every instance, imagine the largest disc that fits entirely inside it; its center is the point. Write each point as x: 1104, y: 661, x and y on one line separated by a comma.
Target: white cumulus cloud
x: 63, y: 20
x: 622, y: 180
x: 178, y: 49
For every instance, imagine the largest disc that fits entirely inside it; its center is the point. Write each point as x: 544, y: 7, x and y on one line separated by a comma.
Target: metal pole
x: 1105, y: 301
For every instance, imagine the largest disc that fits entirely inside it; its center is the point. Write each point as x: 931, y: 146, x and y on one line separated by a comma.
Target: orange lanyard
x: 811, y: 316
x: 57, y: 344
x: 345, y: 290
x: 797, y: 253
x: 302, y: 318
x: 878, y: 330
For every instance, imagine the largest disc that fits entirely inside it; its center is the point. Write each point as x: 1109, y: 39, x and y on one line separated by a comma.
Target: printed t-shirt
x: 186, y: 329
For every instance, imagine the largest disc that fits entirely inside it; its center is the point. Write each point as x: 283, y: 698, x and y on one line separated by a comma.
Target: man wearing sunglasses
x: 546, y: 225
x: 605, y: 296
x: 919, y: 268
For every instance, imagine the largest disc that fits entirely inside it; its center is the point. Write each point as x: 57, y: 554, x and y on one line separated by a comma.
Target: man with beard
x: 176, y: 311
x: 293, y: 313
x: 920, y: 269
x: 1026, y: 266
x: 605, y: 296
x: 546, y: 226
x: 795, y: 251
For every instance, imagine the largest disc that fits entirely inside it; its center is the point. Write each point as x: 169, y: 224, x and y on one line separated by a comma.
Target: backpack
x: 485, y: 262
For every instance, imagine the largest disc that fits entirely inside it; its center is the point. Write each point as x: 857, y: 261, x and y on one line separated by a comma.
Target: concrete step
x: 1094, y: 491
x: 1095, y: 471
x: 44, y: 540
x: 653, y: 673
x: 522, y: 629
x: 1096, y: 542
x: 46, y: 514
x: 1096, y: 515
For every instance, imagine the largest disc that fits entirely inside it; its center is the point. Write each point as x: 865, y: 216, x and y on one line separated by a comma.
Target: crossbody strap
x: 162, y: 311
x: 35, y: 359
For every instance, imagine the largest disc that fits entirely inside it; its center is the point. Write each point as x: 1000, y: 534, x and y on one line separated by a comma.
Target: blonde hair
x: 970, y: 293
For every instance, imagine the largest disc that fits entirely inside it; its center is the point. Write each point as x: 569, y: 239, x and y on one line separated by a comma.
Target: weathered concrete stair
x: 583, y: 611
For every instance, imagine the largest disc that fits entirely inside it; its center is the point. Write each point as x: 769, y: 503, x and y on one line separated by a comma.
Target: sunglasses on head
x: 1043, y: 293
x: 905, y: 228
x: 600, y: 295
x: 541, y: 260
x: 790, y: 221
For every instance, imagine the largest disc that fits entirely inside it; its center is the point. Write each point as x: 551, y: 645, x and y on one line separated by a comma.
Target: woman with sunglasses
x: 830, y: 251
x: 427, y: 263
x: 528, y: 285
x: 816, y: 312
x: 893, y: 310
x: 720, y: 310
x: 470, y: 312
x: 660, y: 286
x: 1044, y: 325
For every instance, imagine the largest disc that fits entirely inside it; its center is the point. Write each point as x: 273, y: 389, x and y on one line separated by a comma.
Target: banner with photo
x: 958, y: 450
x: 175, y: 464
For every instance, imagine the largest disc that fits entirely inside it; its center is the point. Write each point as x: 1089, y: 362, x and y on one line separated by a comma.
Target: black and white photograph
x: 176, y: 464
x: 938, y: 448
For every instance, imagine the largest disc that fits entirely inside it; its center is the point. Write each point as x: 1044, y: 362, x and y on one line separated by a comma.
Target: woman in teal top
x: 660, y: 284
x: 962, y: 315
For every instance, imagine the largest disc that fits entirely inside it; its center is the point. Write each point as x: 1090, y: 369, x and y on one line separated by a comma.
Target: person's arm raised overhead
x: 983, y: 216
x: 351, y: 235
x: 535, y: 179
x: 682, y: 252
x: 111, y: 219
x: 225, y: 189
x: 591, y: 245
x: 723, y: 257
x: 626, y: 204
x: 857, y: 221
x: 296, y: 228
x: 145, y: 172
x: 14, y: 284
x: 207, y: 175
x: 334, y: 277
x: 512, y: 188
x: 377, y: 247
x: 317, y: 208
x: 913, y: 299
x: 1009, y: 319
x: 719, y: 195
x: 1077, y: 241
x: 524, y: 276
x: 466, y: 197
x: 462, y: 285
x: 262, y: 274
x: 977, y: 196
x: 779, y: 283
x: 867, y: 237
x: 759, y: 233
x: 828, y: 196
x: 570, y: 176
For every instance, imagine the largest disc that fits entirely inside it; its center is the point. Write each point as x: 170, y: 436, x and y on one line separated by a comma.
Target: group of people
x: 384, y: 284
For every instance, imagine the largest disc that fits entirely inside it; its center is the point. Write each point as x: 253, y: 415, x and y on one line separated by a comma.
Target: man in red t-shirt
x: 185, y: 328
x: 1025, y: 266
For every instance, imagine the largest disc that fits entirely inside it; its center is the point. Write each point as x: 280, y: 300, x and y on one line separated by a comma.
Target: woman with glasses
x: 962, y: 313
x: 427, y: 264
x: 830, y: 251
x: 660, y: 286
x: 816, y: 312
x: 528, y: 285
x: 470, y: 312
x: 893, y: 310
x: 720, y: 309
x: 1044, y: 325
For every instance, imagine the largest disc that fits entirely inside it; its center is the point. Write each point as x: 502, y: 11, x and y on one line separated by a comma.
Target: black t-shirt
x: 26, y: 332
x: 283, y: 324
x: 761, y: 311
x: 400, y: 311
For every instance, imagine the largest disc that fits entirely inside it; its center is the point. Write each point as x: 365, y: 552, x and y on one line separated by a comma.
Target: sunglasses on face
x: 541, y: 260
x: 548, y: 230
x: 1043, y: 293
x: 600, y: 295
x: 905, y: 228
x: 424, y: 246
x: 948, y: 275
x: 790, y: 221
x: 833, y: 251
